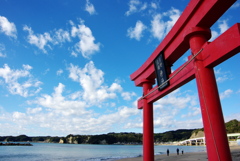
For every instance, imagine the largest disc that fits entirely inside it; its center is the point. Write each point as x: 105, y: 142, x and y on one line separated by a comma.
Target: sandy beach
x: 201, y: 156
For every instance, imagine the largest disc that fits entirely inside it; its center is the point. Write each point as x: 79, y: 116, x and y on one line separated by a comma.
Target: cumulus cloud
x: 61, y: 112
x: 222, y: 26
x: 59, y: 103
x: 222, y: 76
x: 226, y: 93
x: 39, y: 40
x: 89, y: 7
x: 137, y: 31
x: 61, y: 36
x: 91, y: 80
x: 11, y: 78
x: 86, y: 46
x: 65, y: 113
x: 194, y: 111
x: 47, y: 39
x: 160, y: 28
x: 135, y: 6
x: 169, y: 109
x: 8, y: 28
x: 128, y: 95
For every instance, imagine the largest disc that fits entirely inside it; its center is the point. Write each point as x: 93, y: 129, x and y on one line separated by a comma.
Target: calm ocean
x: 81, y: 152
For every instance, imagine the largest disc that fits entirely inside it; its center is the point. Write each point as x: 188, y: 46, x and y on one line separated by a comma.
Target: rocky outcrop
x: 197, y: 134
x: 61, y: 141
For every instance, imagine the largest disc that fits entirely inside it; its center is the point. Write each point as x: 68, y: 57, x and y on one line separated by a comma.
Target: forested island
x: 232, y: 126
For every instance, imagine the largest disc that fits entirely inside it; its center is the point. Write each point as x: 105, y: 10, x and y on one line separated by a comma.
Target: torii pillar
x: 212, y: 116
x: 192, y: 30
x: 148, y: 139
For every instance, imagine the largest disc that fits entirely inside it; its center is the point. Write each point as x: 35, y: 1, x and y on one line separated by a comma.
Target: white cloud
x: 12, y: 77
x: 223, y: 26
x: 8, y: 28
x: 136, y: 32
x: 34, y: 110
x: 173, y: 15
x: 59, y: 103
x: 91, y: 80
x: 46, y: 71
x: 39, y: 40
x: 115, y: 87
x: 226, y: 93
x: 68, y: 114
x: 86, y: 45
x: 193, y: 111
x: 61, y: 36
x: 160, y: 28
x: 76, y: 95
x: 222, y: 76
x: 2, y: 49
x: 128, y: 95
x: 90, y: 8
x: 59, y: 72
x: 173, y: 100
x: 169, y: 109
x: 127, y: 112
x: 154, y: 5
x: 214, y: 35
x: 135, y: 6
x: 74, y: 54
x: 71, y: 114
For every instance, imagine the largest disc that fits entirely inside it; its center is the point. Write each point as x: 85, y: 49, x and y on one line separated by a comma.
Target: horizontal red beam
x: 197, y: 13
x: 181, y: 78
x: 221, y: 49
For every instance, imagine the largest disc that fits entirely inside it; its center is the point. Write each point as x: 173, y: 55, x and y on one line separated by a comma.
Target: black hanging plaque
x: 161, y: 72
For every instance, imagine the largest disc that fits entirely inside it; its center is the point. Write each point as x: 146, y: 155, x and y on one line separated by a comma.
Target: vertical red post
x: 214, y: 126
x: 148, y: 140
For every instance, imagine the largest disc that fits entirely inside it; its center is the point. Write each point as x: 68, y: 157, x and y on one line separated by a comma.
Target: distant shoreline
x: 15, y: 144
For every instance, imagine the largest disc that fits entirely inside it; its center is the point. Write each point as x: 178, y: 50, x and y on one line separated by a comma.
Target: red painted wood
x: 192, y: 30
x: 221, y: 49
x: 212, y: 116
x: 184, y: 76
x: 224, y: 47
x: 196, y: 13
x: 148, y: 141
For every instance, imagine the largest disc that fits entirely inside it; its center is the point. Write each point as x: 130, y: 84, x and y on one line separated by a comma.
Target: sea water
x: 82, y: 152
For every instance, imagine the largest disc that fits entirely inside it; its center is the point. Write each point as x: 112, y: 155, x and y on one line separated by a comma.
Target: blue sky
x: 65, y: 67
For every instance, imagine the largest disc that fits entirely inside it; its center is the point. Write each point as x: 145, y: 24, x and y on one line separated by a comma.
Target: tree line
x: 110, y: 138
x: 232, y: 126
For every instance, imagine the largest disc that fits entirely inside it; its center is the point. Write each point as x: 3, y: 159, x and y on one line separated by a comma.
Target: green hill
x: 232, y: 126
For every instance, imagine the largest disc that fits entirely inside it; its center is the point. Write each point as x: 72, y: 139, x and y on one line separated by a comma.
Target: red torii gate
x: 192, y: 30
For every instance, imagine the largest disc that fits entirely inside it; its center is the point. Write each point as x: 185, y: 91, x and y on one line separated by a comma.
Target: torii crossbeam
x: 192, y: 30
